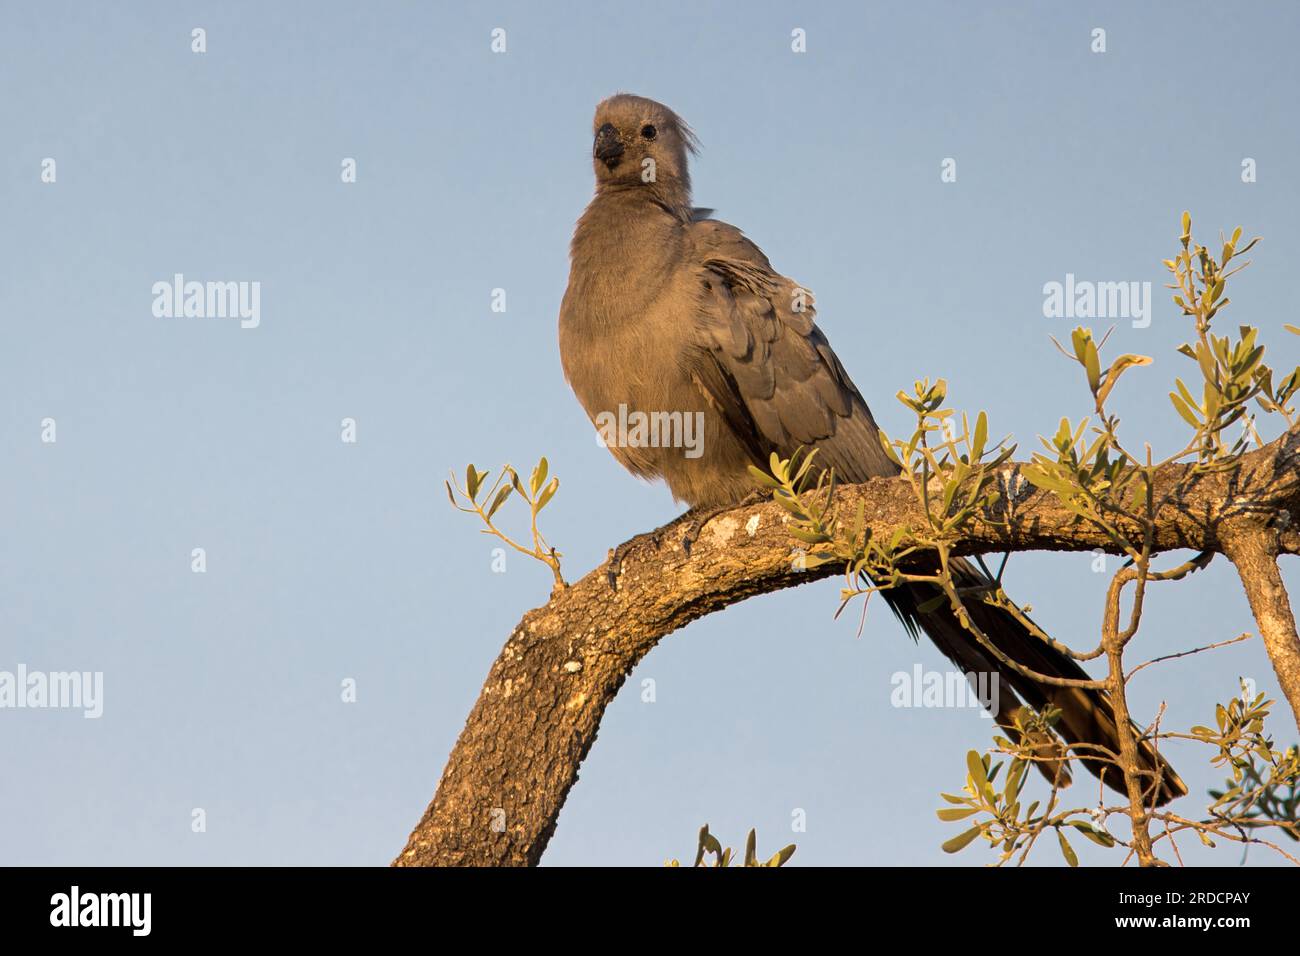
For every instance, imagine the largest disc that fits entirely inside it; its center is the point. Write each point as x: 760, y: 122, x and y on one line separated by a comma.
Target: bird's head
x: 638, y: 142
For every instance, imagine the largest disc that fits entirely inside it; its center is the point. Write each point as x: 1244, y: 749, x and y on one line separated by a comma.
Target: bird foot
x: 616, y: 555
x: 702, y: 516
x: 699, y: 518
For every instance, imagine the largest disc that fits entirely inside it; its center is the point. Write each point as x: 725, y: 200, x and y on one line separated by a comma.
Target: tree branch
x: 1254, y: 553
x: 538, y: 713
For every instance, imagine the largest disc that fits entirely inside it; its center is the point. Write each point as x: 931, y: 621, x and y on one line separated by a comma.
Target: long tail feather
x: 1087, y: 720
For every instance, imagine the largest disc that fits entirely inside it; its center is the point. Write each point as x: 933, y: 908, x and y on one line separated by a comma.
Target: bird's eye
x: 648, y: 131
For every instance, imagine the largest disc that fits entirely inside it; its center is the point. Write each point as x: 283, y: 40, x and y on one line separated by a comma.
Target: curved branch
x: 541, y: 706
x: 1254, y: 553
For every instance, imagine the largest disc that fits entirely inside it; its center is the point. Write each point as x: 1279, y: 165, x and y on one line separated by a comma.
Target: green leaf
x: 1067, y: 851
x: 1099, y: 837
x: 888, y: 445
x: 809, y: 537
x: 782, y: 856
x: 789, y: 503
x: 805, y: 464
x: 1205, y: 358
x: 950, y: 815
x: 938, y: 393
x: 1092, y: 366
x: 979, y: 775
x: 1182, y: 408
x: 1079, y: 339
x: 932, y: 605
x: 949, y: 490
x: 960, y: 842
x: 548, y: 493
x: 1041, y: 478
x: 1118, y: 368
x: 699, y: 853
x: 1015, y: 773
x: 498, y: 501
x: 859, y: 522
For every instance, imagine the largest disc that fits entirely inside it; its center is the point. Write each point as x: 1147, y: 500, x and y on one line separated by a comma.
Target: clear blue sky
x: 329, y: 561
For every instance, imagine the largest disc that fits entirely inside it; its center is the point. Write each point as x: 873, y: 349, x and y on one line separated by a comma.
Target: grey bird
x: 670, y: 311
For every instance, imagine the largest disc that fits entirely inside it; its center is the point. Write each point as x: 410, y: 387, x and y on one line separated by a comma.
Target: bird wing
x: 766, y: 366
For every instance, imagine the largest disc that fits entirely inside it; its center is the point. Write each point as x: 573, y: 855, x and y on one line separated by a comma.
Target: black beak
x: 608, y: 148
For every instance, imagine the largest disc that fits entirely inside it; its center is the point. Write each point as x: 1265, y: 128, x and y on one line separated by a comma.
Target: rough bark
x: 540, y: 708
x: 1254, y: 553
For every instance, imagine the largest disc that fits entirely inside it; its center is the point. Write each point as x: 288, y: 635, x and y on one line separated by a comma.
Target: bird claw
x: 703, y: 517
x: 616, y: 564
x: 693, y: 532
x: 616, y: 555
x: 699, y: 518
